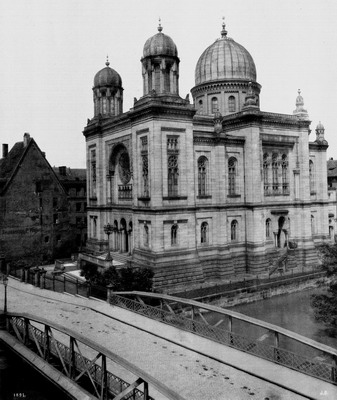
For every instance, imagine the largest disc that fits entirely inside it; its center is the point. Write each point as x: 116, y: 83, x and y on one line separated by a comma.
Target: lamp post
x: 5, y: 282
x: 108, y: 229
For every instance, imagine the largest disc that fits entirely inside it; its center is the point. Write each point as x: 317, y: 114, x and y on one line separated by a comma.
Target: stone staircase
x: 285, y: 260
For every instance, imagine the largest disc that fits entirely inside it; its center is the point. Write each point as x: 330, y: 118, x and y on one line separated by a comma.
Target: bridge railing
x: 72, y: 359
x: 244, y: 333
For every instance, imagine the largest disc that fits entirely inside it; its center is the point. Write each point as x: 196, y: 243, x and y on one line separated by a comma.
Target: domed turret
x: 320, y: 134
x: 160, y: 45
x: 300, y: 111
x: 160, y: 65
x: 227, y: 67
x: 108, y: 92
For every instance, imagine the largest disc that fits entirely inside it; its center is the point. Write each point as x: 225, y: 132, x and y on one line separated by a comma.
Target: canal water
x: 291, y: 311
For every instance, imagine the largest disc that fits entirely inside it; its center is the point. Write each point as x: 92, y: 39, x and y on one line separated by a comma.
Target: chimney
x: 26, y: 139
x: 63, y: 171
x: 4, y: 150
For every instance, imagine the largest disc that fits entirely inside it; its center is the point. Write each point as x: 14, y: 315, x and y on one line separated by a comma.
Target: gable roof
x: 11, y: 163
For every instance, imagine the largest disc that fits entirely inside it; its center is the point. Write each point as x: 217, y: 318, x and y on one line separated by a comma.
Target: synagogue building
x: 208, y: 189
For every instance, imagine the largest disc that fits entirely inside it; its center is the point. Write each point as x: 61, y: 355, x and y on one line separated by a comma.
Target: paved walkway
x: 179, y: 361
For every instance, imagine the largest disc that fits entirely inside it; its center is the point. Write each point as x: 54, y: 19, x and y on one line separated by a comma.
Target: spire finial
x: 107, y: 61
x: 299, y: 92
x: 160, y: 28
x: 223, y: 32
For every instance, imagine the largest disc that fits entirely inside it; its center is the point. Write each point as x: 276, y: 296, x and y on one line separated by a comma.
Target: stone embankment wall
x: 264, y: 291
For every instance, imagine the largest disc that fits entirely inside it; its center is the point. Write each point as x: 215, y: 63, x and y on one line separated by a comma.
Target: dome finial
x: 223, y: 32
x: 107, y: 61
x: 160, y: 28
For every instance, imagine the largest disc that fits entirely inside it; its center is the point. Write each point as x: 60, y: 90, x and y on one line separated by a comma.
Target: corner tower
x: 160, y: 65
x: 225, y: 73
x: 108, y: 92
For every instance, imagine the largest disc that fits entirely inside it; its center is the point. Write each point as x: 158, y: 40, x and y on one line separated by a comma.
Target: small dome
x: 160, y: 45
x: 107, y: 77
x: 320, y: 126
x: 225, y: 59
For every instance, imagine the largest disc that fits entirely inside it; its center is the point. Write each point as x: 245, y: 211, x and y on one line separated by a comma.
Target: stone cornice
x: 228, y: 85
x: 260, y: 118
x: 318, y: 146
x: 224, y: 140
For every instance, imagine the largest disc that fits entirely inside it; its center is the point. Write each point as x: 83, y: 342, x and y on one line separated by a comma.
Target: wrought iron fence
x: 37, y: 339
x: 325, y: 370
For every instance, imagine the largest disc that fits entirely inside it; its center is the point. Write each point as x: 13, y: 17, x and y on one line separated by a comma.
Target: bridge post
x: 43, y: 278
x: 72, y: 365
x: 26, y: 274
x: 276, y: 345
x: 334, y: 369
x: 37, y: 276
x: 104, y: 382
x: 46, y: 342
x: 110, y: 292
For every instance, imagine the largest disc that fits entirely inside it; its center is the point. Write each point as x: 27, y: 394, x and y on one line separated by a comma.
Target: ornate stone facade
x: 207, y: 190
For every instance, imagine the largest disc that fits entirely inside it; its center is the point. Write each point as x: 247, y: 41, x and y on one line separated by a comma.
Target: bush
x: 123, y: 280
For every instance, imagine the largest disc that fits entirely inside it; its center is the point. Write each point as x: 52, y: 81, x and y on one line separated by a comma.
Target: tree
x: 125, y: 279
x: 325, y: 305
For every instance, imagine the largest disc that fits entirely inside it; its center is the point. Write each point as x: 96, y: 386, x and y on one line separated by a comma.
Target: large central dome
x: 225, y: 60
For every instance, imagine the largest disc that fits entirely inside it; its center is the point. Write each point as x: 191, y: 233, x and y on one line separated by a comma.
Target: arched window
x: 215, y: 107
x: 234, y: 230
x: 268, y: 228
x: 157, y: 78
x: 285, y: 183
x: 167, y: 80
x: 266, y: 173
x: 202, y: 175
x: 275, y: 172
x: 313, y: 228
x: 173, y: 173
x: 146, y: 235
x: 174, y: 234
x: 145, y: 175
x: 231, y: 104
x: 204, y: 232
x: 232, y: 171
x: 311, y: 176
x: 200, y: 107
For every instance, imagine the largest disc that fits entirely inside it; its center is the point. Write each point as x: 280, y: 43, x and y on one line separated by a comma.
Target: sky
x: 50, y: 51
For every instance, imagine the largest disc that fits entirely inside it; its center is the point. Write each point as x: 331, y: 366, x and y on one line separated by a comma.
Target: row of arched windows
x: 204, y: 232
x: 215, y: 105
x: 203, y: 176
x: 275, y: 174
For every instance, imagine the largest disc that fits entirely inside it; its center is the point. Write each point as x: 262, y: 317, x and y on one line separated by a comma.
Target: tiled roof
x: 10, y: 162
x: 71, y: 174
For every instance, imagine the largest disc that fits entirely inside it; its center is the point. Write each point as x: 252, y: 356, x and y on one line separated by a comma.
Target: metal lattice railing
x: 319, y: 369
x: 30, y: 334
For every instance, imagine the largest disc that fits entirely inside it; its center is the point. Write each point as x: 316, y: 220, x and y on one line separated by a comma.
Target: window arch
x: 202, y: 176
x: 268, y: 228
x: 266, y: 173
x: 146, y: 235
x: 275, y: 172
x: 311, y: 176
x: 173, y: 173
x: 204, y: 232
x: 313, y: 228
x: 232, y: 172
x: 234, y: 230
x: 231, y: 104
x: 215, y: 106
x: 174, y: 234
x: 285, y: 183
x: 200, y: 107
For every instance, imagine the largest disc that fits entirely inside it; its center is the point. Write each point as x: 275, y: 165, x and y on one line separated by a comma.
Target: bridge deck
x: 194, y: 367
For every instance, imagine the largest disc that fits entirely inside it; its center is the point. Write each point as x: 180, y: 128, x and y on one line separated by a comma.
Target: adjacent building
x: 74, y: 182
x: 207, y: 190
x: 34, y: 220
